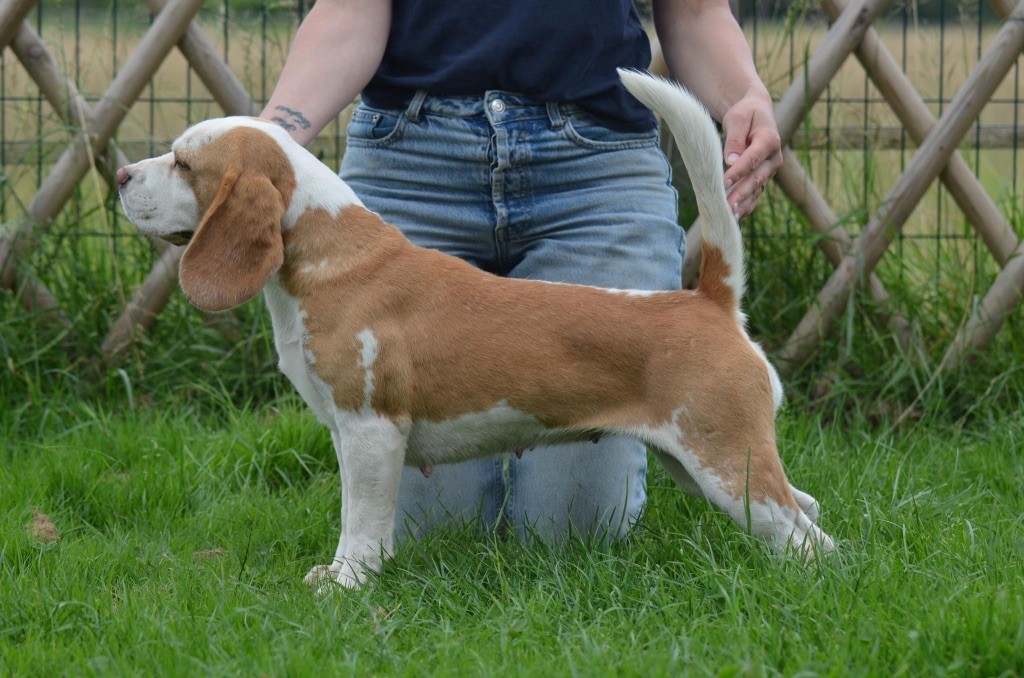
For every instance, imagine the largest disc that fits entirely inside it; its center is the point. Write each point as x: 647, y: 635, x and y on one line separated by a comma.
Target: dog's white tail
x: 721, y: 273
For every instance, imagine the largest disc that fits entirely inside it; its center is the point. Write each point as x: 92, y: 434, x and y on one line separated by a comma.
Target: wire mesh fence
x: 851, y: 144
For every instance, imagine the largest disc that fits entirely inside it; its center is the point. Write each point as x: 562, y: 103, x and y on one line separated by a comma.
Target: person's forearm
x: 336, y: 51
x: 706, y: 51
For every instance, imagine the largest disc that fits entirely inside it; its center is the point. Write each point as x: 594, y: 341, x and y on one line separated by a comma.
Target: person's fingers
x: 743, y: 198
x: 737, y: 126
x: 746, y: 206
x: 764, y: 145
x: 755, y: 181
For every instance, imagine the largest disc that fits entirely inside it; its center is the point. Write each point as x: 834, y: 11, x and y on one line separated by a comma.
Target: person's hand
x: 753, y: 150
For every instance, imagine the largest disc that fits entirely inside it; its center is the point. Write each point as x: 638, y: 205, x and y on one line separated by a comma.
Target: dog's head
x: 222, y: 191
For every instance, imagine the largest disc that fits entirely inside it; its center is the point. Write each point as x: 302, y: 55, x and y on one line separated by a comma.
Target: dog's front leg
x: 371, y: 451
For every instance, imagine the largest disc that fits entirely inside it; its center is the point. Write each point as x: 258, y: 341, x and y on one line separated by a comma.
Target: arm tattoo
x: 296, y: 116
x: 284, y: 123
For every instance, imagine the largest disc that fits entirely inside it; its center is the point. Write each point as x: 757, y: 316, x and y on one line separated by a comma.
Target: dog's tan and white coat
x: 410, y: 356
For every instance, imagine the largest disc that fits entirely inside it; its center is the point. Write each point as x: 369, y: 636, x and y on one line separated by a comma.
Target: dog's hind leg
x: 745, y: 482
x: 371, y: 451
x: 679, y: 473
x: 687, y: 484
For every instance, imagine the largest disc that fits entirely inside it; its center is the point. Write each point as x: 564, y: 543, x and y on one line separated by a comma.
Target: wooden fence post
x: 59, y: 90
x: 202, y: 56
x: 918, y: 120
x: 842, y: 38
x: 1001, y: 299
x: 34, y: 295
x: 836, y: 242
x: 12, y: 13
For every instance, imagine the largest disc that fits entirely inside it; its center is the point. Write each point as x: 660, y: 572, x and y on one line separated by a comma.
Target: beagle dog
x: 410, y: 356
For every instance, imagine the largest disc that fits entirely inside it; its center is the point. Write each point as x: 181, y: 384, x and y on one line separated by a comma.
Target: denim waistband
x: 496, y: 105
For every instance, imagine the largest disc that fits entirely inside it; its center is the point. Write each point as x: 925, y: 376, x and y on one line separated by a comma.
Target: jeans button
x: 498, y: 106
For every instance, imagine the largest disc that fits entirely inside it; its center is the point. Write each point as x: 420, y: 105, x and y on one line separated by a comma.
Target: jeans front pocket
x: 374, y: 127
x: 588, y: 132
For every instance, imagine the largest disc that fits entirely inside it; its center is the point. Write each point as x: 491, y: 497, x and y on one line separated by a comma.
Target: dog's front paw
x: 327, y: 578
x: 812, y: 509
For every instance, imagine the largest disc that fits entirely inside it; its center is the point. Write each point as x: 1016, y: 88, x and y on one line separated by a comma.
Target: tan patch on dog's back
x: 526, y: 339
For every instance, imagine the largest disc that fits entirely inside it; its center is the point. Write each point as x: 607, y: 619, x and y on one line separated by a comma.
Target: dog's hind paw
x: 811, y: 544
x: 808, y: 504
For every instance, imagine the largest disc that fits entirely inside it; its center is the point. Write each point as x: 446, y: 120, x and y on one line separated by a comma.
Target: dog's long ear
x: 237, y: 246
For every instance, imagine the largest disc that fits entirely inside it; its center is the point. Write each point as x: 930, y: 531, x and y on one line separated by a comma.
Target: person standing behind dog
x: 498, y: 132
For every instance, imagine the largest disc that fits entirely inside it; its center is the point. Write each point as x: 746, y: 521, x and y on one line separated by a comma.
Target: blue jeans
x: 525, y: 191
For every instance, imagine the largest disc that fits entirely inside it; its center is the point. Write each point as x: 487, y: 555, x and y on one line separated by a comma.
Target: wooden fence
x: 851, y: 35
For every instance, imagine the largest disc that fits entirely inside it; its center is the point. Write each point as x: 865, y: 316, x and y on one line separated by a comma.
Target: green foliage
x: 185, y: 532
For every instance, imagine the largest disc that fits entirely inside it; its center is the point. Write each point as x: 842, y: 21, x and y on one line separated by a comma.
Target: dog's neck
x: 328, y: 234
x: 316, y: 187
x: 324, y: 248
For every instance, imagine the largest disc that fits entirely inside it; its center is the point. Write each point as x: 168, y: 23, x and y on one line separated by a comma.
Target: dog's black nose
x: 123, y: 176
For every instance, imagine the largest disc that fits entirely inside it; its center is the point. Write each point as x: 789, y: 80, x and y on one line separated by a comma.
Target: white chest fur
x: 290, y: 341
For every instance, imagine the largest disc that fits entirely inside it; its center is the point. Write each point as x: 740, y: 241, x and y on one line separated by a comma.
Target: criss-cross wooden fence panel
x: 852, y: 36
x: 933, y: 155
x: 851, y: 32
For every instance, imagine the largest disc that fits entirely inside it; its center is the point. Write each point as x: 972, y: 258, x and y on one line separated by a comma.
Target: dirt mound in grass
x: 42, y: 528
x: 208, y: 554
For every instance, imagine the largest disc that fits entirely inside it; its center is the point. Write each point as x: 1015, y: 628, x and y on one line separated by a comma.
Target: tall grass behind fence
x: 851, y: 144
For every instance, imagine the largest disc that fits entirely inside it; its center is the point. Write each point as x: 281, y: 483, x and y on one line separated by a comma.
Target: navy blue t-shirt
x: 546, y: 50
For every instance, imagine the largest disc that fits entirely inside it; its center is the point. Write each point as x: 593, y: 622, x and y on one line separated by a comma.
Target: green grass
x: 196, y: 446
x: 927, y: 579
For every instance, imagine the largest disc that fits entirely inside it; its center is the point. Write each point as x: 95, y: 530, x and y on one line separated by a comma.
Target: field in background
x: 937, y: 61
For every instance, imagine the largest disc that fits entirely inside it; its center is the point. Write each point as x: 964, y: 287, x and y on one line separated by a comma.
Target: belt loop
x: 412, y: 111
x: 555, y: 116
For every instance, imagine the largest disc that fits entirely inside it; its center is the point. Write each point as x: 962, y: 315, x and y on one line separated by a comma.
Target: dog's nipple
x: 426, y: 470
